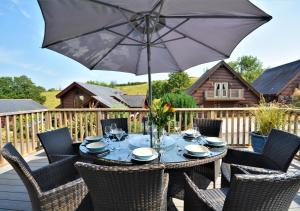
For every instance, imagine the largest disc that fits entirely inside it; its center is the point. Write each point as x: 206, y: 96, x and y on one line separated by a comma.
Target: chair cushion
x: 214, y: 198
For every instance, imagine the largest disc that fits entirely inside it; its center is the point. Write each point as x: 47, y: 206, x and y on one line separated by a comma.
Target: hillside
x: 52, y: 101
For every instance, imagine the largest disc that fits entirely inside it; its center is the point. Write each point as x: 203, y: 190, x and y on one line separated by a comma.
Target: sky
x: 22, y: 30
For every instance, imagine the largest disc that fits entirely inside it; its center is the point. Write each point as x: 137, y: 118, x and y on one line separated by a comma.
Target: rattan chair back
x: 281, y: 147
x: 56, y: 142
x: 262, y: 192
x: 209, y: 127
x: 120, y: 122
x: 124, y: 188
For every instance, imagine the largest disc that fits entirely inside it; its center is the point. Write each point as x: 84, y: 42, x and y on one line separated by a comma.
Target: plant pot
x: 258, y: 141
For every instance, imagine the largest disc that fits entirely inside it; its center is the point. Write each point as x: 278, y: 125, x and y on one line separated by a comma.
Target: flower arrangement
x: 161, y: 113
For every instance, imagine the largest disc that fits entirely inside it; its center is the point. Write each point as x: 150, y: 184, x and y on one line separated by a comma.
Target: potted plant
x: 268, y: 116
x: 159, y: 116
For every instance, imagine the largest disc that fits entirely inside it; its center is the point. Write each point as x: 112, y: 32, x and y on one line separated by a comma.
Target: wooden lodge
x: 280, y: 83
x: 221, y: 86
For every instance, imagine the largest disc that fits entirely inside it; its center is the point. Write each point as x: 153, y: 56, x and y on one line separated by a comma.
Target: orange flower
x: 167, y: 107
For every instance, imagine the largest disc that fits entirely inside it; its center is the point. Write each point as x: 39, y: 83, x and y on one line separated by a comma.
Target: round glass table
x: 172, y: 153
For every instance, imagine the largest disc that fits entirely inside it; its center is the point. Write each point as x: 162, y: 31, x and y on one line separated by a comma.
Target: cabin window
x: 221, y: 89
x: 78, y: 101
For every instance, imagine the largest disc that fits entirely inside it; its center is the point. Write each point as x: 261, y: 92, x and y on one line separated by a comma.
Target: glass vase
x: 158, y: 133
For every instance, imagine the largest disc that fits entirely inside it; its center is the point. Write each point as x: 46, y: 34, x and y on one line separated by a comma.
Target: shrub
x: 269, y: 116
x: 181, y: 100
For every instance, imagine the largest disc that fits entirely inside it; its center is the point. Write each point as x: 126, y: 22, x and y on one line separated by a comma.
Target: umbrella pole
x: 149, y: 74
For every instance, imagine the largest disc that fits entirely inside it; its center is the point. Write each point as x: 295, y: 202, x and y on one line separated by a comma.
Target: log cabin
x: 221, y: 86
x: 280, y: 83
x: 82, y: 95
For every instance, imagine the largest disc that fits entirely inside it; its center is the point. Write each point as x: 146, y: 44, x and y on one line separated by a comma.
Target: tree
x: 178, y: 82
x: 20, y: 88
x: 159, y: 89
x: 250, y: 67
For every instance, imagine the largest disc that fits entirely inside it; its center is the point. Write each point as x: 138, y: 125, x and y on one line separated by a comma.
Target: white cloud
x: 17, y: 3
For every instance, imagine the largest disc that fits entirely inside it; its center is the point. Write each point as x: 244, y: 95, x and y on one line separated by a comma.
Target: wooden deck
x: 13, y: 194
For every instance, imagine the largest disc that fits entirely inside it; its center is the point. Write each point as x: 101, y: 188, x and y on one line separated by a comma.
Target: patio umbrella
x: 147, y: 36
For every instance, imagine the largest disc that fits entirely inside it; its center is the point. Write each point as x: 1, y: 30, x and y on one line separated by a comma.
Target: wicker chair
x: 122, y: 188
x: 120, y: 122
x: 53, y: 187
x: 277, y: 154
x: 209, y: 172
x: 58, y: 144
x: 268, y: 191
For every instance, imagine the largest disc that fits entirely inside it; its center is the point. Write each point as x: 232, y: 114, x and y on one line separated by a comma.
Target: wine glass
x: 119, y: 134
x: 113, y: 127
x: 177, y: 128
x: 107, y: 131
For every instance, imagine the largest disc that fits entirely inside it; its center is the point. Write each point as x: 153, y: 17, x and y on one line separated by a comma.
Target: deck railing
x: 21, y: 128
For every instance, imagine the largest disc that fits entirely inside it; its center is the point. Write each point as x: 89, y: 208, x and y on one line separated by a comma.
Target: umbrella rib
x: 91, y: 32
x: 110, y: 50
x: 178, y: 38
x: 122, y: 35
x: 171, y: 30
x: 111, y: 5
x: 199, y: 42
x: 218, y: 17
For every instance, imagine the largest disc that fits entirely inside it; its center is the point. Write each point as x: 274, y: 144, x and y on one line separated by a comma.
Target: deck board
x: 13, y: 195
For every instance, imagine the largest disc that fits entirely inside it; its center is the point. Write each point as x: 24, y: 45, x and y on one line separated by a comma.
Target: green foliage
x: 181, y: 100
x: 112, y: 84
x: 159, y: 89
x: 20, y: 88
x: 269, y: 116
x: 296, y: 102
x: 250, y: 67
x: 178, y: 82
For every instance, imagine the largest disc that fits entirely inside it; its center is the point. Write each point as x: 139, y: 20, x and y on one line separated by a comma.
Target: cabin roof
x: 211, y: 71
x: 107, y: 96
x: 274, y: 80
x: 19, y: 105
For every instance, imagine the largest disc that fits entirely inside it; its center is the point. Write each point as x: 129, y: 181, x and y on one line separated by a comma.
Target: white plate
x: 93, y: 138
x: 214, y: 141
x: 197, y: 155
x: 153, y: 157
x: 143, y: 153
x: 96, y: 146
x: 196, y: 149
x: 190, y: 133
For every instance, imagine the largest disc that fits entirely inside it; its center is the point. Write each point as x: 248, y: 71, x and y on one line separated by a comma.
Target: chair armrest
x: 193, y: 199
x: 65, y: 197
x: 240, y: 169
x: 56, y: 174
x: 235, y: 156
x: 55, y: 158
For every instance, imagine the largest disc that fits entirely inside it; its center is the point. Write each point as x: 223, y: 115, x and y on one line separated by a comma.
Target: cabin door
x: 221, y: 90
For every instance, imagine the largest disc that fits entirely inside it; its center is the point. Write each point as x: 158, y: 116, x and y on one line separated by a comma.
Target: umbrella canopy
x: 116, y: 34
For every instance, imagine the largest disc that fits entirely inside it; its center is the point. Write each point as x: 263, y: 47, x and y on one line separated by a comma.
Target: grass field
x: 140, y: 89
x: 51, y: 100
